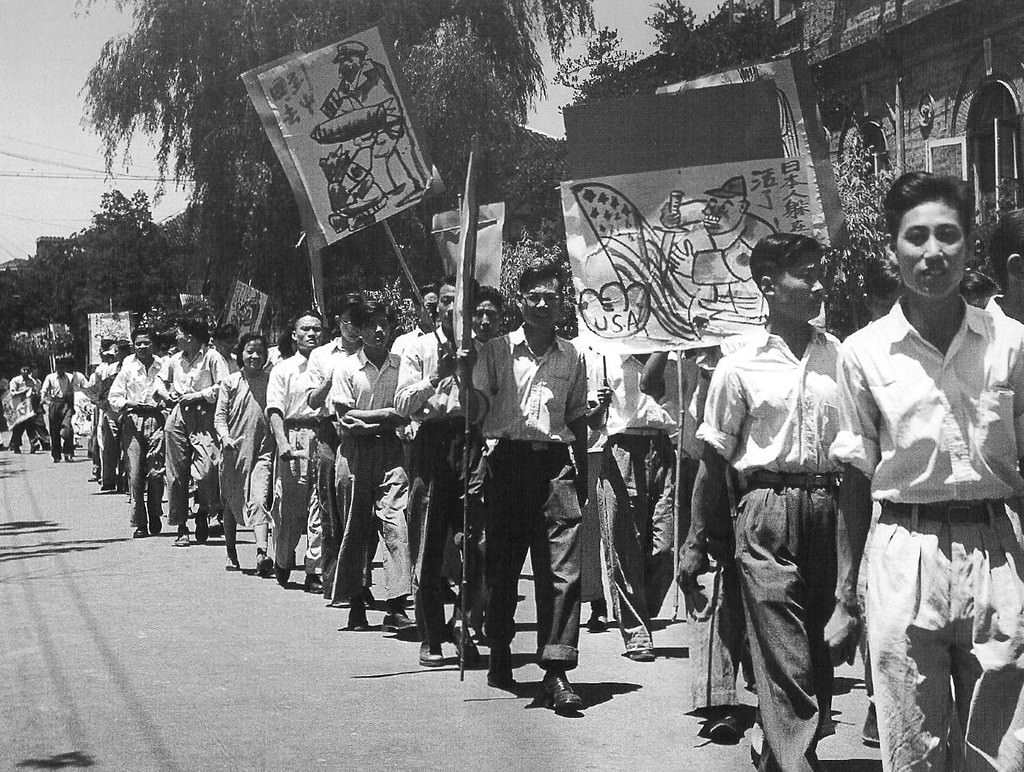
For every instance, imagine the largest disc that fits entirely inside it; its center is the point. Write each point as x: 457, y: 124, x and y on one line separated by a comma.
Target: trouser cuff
x: 557, y: 655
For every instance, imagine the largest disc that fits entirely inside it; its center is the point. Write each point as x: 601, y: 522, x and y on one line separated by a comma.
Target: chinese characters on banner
x: 669, y: 195
x: 341, y: 128
x: 246, y: 308
x: 108, y: 326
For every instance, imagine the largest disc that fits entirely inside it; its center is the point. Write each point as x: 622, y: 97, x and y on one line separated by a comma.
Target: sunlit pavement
x: 130, y: 654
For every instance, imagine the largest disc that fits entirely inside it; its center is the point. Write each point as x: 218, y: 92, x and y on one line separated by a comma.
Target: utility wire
x: 63, y: 150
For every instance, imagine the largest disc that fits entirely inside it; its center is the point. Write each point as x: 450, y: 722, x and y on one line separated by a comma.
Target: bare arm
x: 853, y: 520
x: 652, y: 382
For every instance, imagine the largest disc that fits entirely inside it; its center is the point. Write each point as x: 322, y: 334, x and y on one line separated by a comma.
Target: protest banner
x: 668, y: 195
x: 246, y: 308
x: 490, y: 224
x: 343, y: 130
x: 801, y: 131
x: 116, y: 325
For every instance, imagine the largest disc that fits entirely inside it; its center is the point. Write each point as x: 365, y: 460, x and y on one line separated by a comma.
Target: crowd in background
x: 737, y: 470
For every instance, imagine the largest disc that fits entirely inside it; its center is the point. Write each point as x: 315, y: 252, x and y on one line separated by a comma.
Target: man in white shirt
x: 191, y: 380
x: 137, y: 396
x: 294, y: 425
x: 426, y: 321
x: 22, y: 388
x: 373, y: 486
x: 58, y: 395
x: 931, y: 408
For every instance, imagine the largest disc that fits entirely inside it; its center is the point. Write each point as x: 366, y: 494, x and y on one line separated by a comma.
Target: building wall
x: 944, y: 52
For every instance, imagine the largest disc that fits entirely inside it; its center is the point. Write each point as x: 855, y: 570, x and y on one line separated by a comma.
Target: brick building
x: 925, y: 84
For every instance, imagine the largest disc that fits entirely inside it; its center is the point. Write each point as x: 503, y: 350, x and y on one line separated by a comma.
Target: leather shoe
x: 499, y: 668
x: 470, y: 653
x: 727, y: 730
x: 202, y: 529
x: 559, y: 694
x: 182, y: 540
x: 430, y: 658
x: 264, y: 565
x: 282, y: 575
x: 313, y: 584
x: 397, y: 621
x: 140, y: 533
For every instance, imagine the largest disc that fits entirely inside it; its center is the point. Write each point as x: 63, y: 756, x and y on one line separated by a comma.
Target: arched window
x: 993, y: 136
x: 874, y: 142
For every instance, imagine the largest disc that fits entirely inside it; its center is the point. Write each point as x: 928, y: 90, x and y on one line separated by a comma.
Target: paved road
x: 121, y: 654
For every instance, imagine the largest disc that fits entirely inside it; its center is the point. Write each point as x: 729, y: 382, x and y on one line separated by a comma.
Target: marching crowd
x: 829, y: 495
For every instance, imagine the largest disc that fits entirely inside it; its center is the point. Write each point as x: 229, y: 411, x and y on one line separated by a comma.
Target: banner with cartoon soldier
x: 669, y: 196
x: 345, y: 130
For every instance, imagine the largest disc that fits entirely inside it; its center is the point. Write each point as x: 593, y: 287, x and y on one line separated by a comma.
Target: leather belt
x: 644, y: 431
x: 763, y: 478
x: 301, y: 423
x: 953, y: 512
x: 537, y: 446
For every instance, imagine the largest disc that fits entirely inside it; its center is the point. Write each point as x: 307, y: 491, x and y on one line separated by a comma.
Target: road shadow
x: 7, y: 469
x: 14, y: 527
x: 72, y: 759
x: 745, y: 715
x: 844, y: 685
x: 50, y: 549
x: 672, y: 652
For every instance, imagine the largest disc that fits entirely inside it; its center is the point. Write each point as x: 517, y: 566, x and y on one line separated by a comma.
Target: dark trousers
x: 25, y: 427
x: 436, y: 493
x: 785, y: 548
x: 533, y: 507
x: 58, y: 422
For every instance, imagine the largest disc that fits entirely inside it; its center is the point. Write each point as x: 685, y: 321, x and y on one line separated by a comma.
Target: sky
x: 51, y: 165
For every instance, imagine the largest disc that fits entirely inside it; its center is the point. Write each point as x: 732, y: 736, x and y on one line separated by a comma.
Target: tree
x: 473, y: 67
x: 686, y: 50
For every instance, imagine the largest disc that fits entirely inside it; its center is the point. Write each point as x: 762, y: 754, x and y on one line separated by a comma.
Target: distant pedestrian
x: 58, y: 395
x: 23, y: 421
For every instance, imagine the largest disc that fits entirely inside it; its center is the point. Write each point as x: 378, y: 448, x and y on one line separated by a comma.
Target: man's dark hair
x: 426, y: 289
x: 916, y: 188
x: 143, y: 329
x: 195, y: 326
x: 348, y: 301
x: 225, y: 332
x: 364, y: 314
x: 1007, y: 239
x: 881, y: 277
x: 246, y: 339
x: 778, y: 252
x: 302, y: 315
x: 538, y: 270
x: 976, y: 287
x: 485, y: 292
x: 447, y: 281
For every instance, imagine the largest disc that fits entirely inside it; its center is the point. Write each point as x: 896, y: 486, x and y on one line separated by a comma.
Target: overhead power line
x: 64, y: 150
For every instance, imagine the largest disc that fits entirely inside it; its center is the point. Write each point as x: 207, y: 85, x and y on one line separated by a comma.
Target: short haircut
x: 246, y: 339
x: 302, y: 315
x: 1007, y: 239
x: 195, y: 326
x: 348, y: 301
x: 225, y: 332
x: 881, y: 277
x: 916, y: 188
x: 538, y: 270
x: 488, y: 293
x: 426, y: 289
x: 143, y: 329
x: 448, y: 281
x: 976, y: 286
x: 778, y: 252
x: 364, y: 315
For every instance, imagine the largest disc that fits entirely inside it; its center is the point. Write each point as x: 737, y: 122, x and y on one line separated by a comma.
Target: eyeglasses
x: 534, y: 298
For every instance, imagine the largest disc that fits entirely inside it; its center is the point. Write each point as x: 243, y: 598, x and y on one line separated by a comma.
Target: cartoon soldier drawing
x: 715, y: 253
x: 365, y: 120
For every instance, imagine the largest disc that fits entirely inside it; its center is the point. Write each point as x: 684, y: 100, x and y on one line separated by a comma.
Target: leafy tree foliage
x: 122, y: 261
x: 473, y: 67
x: 686, y: 49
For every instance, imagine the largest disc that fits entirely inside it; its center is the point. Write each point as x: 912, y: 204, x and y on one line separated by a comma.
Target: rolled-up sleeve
x: 576, y: 400
x: 856, y: 442
x: 724, y: 412
x: 341, y: 396
x: 277, y: 390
